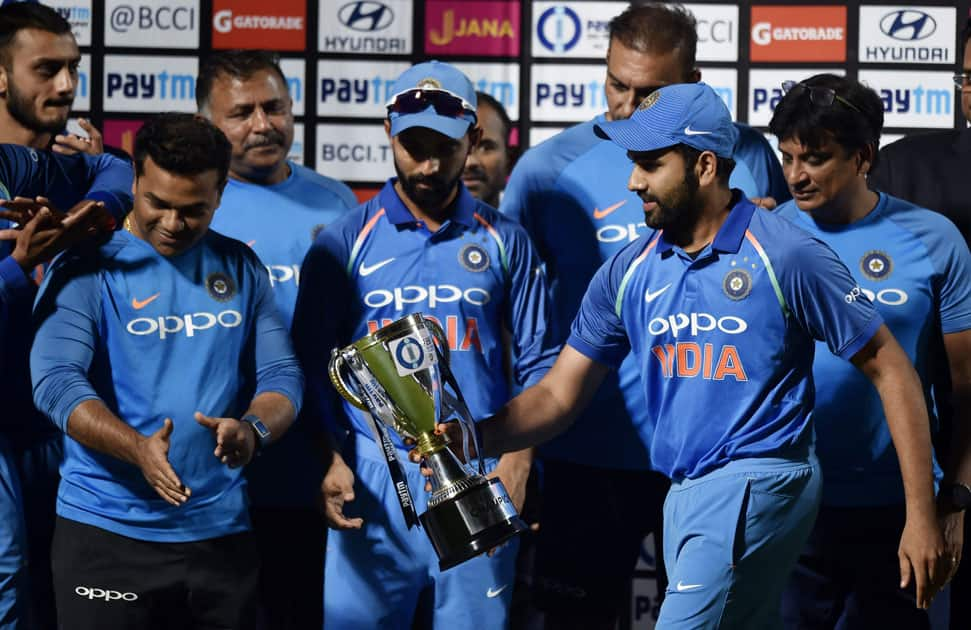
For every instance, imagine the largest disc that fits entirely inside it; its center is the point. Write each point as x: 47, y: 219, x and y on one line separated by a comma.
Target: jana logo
x: 558, y: 29
x: 908, y: 25
x: 365, y: 15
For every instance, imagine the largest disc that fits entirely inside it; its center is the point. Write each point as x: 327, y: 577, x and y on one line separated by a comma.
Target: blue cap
x: 684, y: 113
x: 438, y: 76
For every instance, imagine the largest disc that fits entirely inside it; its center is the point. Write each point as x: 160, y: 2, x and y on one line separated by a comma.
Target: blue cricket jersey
x: 155, y: 338
x: 724, y: 341
x: 280, y: 222
x: 476, y: 275
x: 65, y: 180
x: 914, y: 266
x: 570, y: 193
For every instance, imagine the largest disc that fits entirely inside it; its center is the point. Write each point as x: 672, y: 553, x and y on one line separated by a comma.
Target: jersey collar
x: 730, y: 234
x: 462, y: 209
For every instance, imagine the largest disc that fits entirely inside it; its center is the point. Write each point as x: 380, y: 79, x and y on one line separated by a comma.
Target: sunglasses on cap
x: 818, y: 95
x: 419, y: 99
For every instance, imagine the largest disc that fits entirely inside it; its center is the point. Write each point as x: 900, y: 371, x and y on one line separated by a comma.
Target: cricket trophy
x: 400, y: 376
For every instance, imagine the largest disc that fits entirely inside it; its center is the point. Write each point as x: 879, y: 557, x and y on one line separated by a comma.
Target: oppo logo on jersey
x: 888, y: 297
x: 187, y: 324
x: 283, y: 273
x: 621, y: 233
x: 402, y: 297
x: 696, y: 323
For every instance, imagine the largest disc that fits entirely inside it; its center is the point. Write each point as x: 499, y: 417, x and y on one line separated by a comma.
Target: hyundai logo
x: 908, y: 25
x: 365, y: 15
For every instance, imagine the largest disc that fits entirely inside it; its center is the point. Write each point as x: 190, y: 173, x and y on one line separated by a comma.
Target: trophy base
x: 471, y: 523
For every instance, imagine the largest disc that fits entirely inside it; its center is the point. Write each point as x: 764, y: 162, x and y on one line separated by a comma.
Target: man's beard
x: 679, y: 212
x: 433, y: 198
x: 21, y: 109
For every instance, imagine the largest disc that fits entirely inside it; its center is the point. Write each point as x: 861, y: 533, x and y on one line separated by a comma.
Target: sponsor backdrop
x: 544, y: 60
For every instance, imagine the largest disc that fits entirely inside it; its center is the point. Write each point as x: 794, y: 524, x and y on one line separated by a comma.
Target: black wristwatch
x: 955, y: 496
x: 262, y: 433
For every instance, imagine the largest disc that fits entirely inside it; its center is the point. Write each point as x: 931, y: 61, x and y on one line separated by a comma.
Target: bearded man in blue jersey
x: 423, y: 244
x: 720, y: 306
x: 164, y: 361
x: 570, y: 195
x: 277, y: 207
x: 914, y: 266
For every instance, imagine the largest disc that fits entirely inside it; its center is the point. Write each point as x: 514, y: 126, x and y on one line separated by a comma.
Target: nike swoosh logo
x: 688, y: 131
x: 495, y: 593
x: 364, y: 270
x: 600, y: 214
x: 140, y: 304
x: 650, y: 297
x: 687, y: 587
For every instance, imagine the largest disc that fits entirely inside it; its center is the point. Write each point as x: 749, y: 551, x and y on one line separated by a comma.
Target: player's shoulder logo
x: 649, y: 101
x: 220, y: 286
x: 317, y: 229
x: 876, y: 265
x: 737, y: 284
x: 474, y: 257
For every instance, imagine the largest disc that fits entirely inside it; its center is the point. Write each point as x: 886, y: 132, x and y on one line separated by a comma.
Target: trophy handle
x: 336, y: 378
x: 439, y: 336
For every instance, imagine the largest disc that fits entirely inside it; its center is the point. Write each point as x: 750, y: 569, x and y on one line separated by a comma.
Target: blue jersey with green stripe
x: 724, y: 340
x: 915, y: 267
x: 476, y: 275
x: 570, y: 193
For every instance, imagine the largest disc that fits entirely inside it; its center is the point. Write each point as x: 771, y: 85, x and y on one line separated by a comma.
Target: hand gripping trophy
x: 401, y: 378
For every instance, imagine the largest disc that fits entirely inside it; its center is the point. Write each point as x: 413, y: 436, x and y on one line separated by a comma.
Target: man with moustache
x: 425, y: 239
x: 39, y: 60
x: 489, y: 164
x: 720, y: 306
x: 277, y: 207
x: 570, y: 194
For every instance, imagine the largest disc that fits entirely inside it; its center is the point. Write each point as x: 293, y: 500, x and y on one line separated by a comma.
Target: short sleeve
x: 598, y: 331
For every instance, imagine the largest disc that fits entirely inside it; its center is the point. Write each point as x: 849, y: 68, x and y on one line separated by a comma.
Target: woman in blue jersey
x: 915, y: 268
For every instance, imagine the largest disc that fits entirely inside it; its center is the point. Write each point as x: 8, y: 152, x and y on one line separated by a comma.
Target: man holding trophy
x: 436, y: 290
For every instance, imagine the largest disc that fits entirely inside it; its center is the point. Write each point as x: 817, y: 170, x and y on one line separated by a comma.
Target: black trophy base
x: 471, y: 523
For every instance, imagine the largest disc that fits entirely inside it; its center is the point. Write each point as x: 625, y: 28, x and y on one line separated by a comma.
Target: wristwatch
x: 262, y: 433
x: 955, y: 496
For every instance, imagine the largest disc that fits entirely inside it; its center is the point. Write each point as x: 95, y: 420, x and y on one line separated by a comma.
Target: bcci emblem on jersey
x: 220, y: 287
x: 876, y: 265
x: 737, y: 284
x: 474, y: 258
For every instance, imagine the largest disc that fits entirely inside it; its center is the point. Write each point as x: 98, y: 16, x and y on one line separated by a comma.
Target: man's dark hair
x: 723, y: 166
x: 21, y: 15
x: 854, y: 122
x: 184, y: 144
x: 489, y: 100
x: 658, y: 29
x: 236, y: 64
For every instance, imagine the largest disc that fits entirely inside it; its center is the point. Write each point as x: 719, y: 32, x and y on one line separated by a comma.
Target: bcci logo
x: 220, y: 287
x: 409, y: 354
x: 876, y: 265
x: 737, y: 284
x: 474, y: 258
x: 649, y: 101
x: 429, y: 83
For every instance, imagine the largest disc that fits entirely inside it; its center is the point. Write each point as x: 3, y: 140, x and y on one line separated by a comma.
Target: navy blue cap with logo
x: 434, y: 95
x: 685, y: 113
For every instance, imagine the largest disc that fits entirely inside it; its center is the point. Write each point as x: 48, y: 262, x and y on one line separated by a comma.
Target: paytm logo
x: 363, y: 85
x: 913, y: 98
x: 79, y: 14
x: 567, y: 93
x: 765, y: 90
x: 82, y: 92
x: 150, y: 84
x: 498, y: 80
x: 294, y: 70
